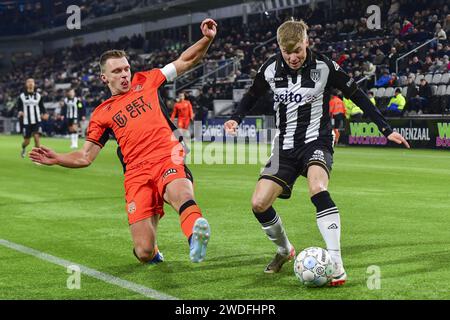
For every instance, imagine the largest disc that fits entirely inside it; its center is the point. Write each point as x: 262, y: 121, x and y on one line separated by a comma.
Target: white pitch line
x: 145, y: 291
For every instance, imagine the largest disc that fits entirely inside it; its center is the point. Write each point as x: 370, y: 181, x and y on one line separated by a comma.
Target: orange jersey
x: 141, y: 128
x: 336, y: 106
x: 183, y: 110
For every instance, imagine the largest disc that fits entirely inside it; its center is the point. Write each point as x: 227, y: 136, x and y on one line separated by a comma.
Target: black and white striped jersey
x: 32, y: 106
x: 72, y: 108
x: 301, y: 98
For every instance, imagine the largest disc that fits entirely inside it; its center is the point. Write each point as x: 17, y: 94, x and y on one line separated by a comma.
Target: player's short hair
x: 110, y: 54
x: 291, y: 32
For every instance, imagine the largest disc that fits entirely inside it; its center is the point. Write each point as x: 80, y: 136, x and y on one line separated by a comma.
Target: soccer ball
x: 313, y: 267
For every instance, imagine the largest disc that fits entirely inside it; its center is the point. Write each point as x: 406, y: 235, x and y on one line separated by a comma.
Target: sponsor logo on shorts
x: 131, y: 207
x: 318, y: 155
x: 169, y: 172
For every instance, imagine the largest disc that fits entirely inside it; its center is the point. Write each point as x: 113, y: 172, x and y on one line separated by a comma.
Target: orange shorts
x: 183, y: 123
x: 145, y: 185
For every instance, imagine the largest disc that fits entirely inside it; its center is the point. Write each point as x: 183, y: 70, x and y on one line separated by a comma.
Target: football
x: 313, y: 267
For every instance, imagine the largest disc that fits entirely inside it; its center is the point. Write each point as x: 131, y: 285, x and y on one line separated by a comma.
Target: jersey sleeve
x: 42, y: 109
x: 158, y: 77
x: 258, y: 89
x: 97, y: 132
x: 19, y: 104
x: 169, y: 71
x: 339, y: 79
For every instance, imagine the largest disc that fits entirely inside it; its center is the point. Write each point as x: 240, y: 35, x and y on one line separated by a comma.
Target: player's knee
x: 260, y: 204
x: 316, y: 188
x: 144, y: 253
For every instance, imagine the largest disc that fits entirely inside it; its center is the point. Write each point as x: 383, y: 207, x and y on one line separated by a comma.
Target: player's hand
x: 398, y: 138
x: 231, y: 127
x: 209, y: 28
x: 43, y: 155
x: 20, y: 114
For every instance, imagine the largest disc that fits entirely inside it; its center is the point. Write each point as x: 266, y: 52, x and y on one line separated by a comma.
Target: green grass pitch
x: 394, y: 204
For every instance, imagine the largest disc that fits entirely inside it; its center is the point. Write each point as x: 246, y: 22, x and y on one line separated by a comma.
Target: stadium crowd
x: 22, y: 17
x: 368, y: 55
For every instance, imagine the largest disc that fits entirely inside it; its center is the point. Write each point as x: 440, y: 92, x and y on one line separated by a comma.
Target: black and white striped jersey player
x: 72, y: 111
x: 30, y: 106
x: 301, y: 82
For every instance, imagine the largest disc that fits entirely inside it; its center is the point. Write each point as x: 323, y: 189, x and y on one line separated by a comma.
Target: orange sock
x: 188, y: 217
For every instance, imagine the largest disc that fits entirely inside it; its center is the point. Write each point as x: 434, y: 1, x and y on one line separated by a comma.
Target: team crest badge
x: 137, y: 88
x: 315, y: 75
x: 131, y: 207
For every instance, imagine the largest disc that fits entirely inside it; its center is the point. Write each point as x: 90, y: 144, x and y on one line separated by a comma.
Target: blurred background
x: 410, y: 51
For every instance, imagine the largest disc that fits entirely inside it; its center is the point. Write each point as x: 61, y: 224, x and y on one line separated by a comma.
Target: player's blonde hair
x: 291, y: 32
x: 110, y: 54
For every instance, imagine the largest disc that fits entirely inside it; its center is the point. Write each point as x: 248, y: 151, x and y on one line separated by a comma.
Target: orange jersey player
x: 337, y: 113
x: 152, y: 156
x: 183, y: 110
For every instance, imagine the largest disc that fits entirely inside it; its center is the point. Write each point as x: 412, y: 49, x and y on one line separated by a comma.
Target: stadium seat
x: 445, y: 78
x: 418, y: 78
x: 389, y: 92
x: 441, y: 90
x: 428, y: 77
x: 434, y: 89
x: 374, y: 91
x: 380, y: 92
x: 436, y: 78
x: 383, y: 101
x: 404, y: 91
x: 402, y: 80
x: 439, y: 101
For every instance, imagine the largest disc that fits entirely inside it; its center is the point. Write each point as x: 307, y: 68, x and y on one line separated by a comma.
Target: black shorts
x: 29, y: 129
x: 71, y: 122
x: 339, y: 121
x: 295, y: 162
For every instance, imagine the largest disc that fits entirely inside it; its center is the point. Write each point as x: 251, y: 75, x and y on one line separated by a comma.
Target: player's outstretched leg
x: 144, y: 237
x: 265, y: 194
x: 273, y: 227
x: 25, y: 143
x: 329, y: 223
x: 196, y: 229
x: 199, y: 240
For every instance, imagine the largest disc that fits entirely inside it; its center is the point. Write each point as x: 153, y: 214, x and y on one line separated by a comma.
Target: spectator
x: 440, y: 33
x: 383, y: 81
x: 337, y: 113
x: 427, y: 65
x: 352, y: 111
x: 379, y: 57
x: 372, y: 98
x: 411, y: 95
x: 407, y: 27
x: 415, y: 65
x: 420, y: 103
x: 445, y: 66
x: 396, y: 104
x: 392, y: 58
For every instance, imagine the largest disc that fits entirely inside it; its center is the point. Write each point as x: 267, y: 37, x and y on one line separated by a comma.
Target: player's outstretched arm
x: 192, y: 55
x: 76, y: 159
x: 363, y: 101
